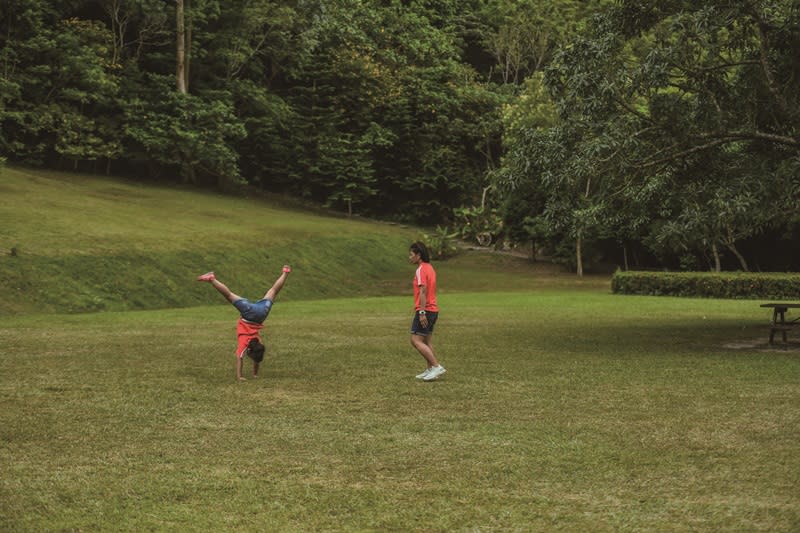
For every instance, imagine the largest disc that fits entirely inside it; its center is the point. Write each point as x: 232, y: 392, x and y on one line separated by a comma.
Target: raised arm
x: 272, y: 293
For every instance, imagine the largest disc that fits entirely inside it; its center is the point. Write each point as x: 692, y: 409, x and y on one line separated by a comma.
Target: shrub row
x: 742, y: 285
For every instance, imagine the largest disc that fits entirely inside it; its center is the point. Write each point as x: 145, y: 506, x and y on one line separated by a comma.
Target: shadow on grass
x: 648, y: 337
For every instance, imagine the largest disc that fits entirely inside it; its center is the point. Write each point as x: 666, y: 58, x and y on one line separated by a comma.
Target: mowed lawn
x: 563, y: 409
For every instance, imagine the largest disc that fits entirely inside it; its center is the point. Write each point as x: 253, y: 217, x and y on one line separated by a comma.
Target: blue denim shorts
x: 253, y: 311
x: 416, y: 327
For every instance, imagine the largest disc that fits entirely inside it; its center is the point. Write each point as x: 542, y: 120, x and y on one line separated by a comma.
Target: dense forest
x: 630, y: 133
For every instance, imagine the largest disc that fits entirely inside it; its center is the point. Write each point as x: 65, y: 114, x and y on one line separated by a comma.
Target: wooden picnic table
x: 779, y: 322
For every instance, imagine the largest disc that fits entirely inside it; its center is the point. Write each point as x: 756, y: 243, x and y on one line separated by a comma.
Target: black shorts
x: 416, y: 327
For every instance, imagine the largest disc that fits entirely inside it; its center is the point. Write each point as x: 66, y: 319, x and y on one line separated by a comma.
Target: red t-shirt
x: 425, y: 276
x: 246, y: 331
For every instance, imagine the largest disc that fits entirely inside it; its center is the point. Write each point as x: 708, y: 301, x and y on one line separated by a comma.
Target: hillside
x: 78, y: 243
x: 71, y: 242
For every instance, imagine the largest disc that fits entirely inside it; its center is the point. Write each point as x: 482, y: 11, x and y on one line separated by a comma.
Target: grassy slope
x: 87, y: 243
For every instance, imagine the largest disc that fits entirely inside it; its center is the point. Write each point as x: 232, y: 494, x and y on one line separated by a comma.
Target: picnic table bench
x: 779, y: 322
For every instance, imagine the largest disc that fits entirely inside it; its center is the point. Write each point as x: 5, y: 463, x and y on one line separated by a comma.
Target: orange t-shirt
x: 244, y: 332
x: 425, y: 276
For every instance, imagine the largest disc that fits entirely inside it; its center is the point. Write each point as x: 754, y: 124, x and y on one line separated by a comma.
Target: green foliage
x: 673, y: 119
x: 441, y: 243
x: 239, y: 33
x: 481, y: 225
x: 58, y: 89
x: 191, y: 133
x: 389, y: 83
x: 523, y: 35
x: 531, y: 110
x: 346, y: 161
x: 708, y: 284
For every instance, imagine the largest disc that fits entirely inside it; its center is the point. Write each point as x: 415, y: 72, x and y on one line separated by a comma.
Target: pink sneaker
x: 287, y: 268
x: 208, y: 276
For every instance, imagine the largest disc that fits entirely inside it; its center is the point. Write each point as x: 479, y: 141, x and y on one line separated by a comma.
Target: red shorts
x: 244, y: 332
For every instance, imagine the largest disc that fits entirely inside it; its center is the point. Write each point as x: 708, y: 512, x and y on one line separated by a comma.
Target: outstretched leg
x: 221, y: 287
x: 273, y: 291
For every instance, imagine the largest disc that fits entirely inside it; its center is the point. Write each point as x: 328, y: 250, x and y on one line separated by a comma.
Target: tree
x: 346, y: 160
x: 188, y: 133
x: 666, y: 101
x: 181, y: 54
x: 524, y: 34
x: 58, y: 89
x: 135, y: 25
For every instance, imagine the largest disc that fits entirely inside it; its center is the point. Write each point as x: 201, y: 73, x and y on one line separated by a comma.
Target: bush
x: 478, y: 224
x: 739, y: 285
x: 441, y: 244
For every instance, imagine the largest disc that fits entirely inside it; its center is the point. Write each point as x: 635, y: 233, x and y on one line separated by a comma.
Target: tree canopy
x: 676, y: 126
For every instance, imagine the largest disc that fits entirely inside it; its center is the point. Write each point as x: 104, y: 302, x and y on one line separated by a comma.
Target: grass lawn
x: 563, y: 409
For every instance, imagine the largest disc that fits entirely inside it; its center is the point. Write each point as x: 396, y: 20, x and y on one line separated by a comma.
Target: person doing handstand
x: 251, y: 319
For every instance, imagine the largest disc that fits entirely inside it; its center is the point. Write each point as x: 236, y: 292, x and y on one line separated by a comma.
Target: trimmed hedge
x: 741, y: 285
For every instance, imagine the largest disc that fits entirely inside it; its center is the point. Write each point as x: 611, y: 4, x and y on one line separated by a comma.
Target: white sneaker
x: 434, y: 373
x: 422, y: 376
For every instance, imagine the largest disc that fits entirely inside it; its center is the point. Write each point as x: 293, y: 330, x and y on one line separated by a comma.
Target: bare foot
x: 242, y: 378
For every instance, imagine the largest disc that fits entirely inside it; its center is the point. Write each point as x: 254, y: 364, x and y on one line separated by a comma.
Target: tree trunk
x: 187, y: 45
x: 118, y: 27
x: 188, y: 174
x: 625, y: 256
x: 578, y: 254
x: 715, y: 252
x: 730, y: 243
x: 732, y: 247
x: 180, y: 42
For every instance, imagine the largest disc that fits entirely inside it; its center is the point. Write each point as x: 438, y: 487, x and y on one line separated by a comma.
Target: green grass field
x: 565, y: 408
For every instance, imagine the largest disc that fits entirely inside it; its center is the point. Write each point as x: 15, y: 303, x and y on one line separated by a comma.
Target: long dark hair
x: 420, y: 249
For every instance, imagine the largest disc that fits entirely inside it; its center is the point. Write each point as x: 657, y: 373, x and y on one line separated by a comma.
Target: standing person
x: 251, y: 319
x: 426, y: 311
